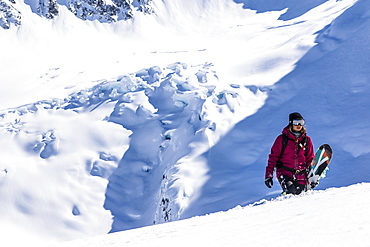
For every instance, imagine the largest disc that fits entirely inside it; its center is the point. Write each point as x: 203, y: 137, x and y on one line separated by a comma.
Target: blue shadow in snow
x: 294, y: 9
x: 330, y: 91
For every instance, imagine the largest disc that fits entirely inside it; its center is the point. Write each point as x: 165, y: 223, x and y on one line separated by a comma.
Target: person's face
x: 297, y: 125
x: 297, y: 128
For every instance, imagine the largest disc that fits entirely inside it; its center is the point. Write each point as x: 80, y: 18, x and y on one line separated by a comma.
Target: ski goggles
x: 298, y: 122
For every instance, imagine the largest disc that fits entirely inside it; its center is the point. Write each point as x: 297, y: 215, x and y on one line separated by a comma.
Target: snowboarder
x: 291, y: 155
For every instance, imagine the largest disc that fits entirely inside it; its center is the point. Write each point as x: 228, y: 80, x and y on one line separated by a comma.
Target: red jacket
x: 294, y: 156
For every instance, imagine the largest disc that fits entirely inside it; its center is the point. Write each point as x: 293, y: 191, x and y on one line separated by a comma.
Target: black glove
x: 268, y: 182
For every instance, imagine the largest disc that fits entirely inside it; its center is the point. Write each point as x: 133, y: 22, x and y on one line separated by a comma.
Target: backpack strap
x: 303, y: 143
x: 285, y: 142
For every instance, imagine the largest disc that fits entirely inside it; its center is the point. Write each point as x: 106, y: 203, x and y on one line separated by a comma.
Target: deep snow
x: 335, y: 217
x: 171, y: 116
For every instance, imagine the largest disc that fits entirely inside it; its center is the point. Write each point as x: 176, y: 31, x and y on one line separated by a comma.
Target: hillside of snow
x: 114, y: 125
x: 336, y: 217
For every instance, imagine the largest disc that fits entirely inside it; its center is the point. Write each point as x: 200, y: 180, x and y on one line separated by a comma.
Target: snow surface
x: 315, y: 219
x: 111, y: 127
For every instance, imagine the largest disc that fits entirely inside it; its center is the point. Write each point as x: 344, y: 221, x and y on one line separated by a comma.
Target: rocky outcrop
x: 100, y: 10
x: 9, y: 14
x: 48, y: 8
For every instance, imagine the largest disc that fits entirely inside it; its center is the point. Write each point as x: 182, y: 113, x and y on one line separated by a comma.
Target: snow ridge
x: 159, y: 157
x: 158, y: 107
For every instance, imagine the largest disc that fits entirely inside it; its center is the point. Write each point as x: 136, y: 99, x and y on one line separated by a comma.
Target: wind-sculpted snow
x: 164, y: 117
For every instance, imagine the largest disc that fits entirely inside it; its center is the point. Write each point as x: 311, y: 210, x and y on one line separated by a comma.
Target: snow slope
x: 110, y: 127
x: 329, y: 86
x: 334, y: 217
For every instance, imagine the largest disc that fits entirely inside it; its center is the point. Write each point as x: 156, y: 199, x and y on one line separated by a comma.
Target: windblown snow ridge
x: 174, y: 115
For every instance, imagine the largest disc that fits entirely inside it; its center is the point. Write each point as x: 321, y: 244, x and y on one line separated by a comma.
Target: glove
x: 268, y: 182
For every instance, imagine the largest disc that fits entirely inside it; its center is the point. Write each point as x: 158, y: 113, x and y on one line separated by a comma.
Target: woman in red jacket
x: 291, y: 163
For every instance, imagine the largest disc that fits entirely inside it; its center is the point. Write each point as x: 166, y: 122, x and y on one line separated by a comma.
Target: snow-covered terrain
x: 109, y: 125
x: 335, y: 217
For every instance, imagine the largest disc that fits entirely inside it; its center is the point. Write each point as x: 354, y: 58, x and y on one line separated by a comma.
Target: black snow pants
x: 290, y: 186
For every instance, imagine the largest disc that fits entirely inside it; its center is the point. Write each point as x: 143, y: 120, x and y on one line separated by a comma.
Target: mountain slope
x: 329, y: 87
x: 264, y: 223
x: 169, y: 116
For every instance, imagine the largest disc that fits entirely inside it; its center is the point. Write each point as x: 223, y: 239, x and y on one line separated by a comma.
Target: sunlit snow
x: 108, y: 127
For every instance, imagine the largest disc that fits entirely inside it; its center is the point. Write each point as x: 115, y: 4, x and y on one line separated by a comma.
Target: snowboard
x: 319, y: 165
